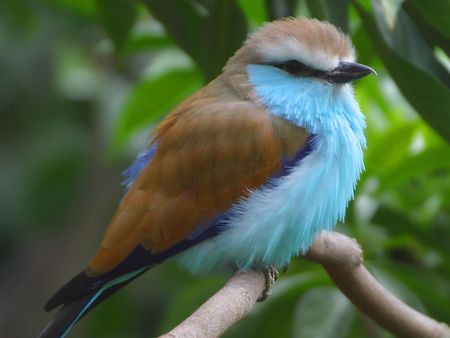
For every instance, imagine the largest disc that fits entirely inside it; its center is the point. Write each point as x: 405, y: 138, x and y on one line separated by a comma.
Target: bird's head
x: 301, y: 48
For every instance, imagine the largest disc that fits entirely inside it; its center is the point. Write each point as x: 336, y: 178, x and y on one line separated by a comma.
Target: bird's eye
x: 294, y: 67
x: 297, y: 68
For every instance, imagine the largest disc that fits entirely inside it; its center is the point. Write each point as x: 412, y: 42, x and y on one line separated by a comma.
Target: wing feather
x: 209, y: 156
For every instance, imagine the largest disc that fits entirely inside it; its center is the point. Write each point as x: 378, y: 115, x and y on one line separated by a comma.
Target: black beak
x: 347, y: 72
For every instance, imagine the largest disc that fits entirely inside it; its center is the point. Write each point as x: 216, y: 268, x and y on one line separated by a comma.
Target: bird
x: 241, y: 175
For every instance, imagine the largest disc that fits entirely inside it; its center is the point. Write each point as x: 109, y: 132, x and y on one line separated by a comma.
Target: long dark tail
x: 83, y: 293
x: 71, y: 312
x: 67, y: 316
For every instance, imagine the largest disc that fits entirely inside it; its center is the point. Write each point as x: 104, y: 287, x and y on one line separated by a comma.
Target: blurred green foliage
x: 84, y: 81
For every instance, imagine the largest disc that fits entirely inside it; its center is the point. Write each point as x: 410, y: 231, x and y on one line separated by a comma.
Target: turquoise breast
x: 280, y: 220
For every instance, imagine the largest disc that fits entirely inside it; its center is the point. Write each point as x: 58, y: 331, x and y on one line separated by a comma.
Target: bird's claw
x: 271, y: 274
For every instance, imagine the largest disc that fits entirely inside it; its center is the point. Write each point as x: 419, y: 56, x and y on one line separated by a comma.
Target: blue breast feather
x: 282, y: 218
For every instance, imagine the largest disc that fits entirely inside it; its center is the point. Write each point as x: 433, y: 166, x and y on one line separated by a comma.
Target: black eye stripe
x: 293, y: 67
x: 297, y: 68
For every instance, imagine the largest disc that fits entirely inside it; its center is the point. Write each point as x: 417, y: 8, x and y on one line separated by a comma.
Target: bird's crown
x: 295, y: 43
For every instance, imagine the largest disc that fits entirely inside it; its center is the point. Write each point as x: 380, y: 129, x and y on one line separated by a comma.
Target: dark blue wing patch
x: 133, y: 171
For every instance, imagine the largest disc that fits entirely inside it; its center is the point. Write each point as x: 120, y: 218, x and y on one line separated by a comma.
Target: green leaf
x: 152, y: 98
x: 208, y: 34
x: 117, y: 16
x: 434, y: 36
x: 146, y: 43
x: 317, y: 9
x: 436, y: 13
x: 398, y: 224
x: 84, y: 7
x: 112, y: 321
x: 338, y: 13
x: 227, y: 30
x: 433, y: 289
x: 55, y: 170
x: 389, y: 149
x: 429, y: 96
x: 186, y: 28
x: 432, y: 159
x: 333, y: 11
x: 254, y: 10
x: 323, y: 312
x: 366, y: 53
x: 398, y: 288
x: 402, y: 35
x: 277, y: 9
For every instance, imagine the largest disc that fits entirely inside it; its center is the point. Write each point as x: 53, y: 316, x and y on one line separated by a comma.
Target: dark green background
x: 81, y: 84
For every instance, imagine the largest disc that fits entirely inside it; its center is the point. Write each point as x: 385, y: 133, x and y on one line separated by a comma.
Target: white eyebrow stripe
x: 291, y: 49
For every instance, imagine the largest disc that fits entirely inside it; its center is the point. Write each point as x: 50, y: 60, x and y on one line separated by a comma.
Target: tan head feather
x: 317, y: 44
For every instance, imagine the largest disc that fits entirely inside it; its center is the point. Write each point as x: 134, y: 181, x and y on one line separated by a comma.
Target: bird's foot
x: 271, y: 274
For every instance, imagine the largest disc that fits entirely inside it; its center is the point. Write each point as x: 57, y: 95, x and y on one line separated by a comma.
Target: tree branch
x: 341, y: 257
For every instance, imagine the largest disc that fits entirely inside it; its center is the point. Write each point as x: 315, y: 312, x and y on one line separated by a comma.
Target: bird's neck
x: 315, y: 105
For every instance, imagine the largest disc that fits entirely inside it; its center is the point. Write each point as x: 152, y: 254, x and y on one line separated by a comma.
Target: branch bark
x: 342, y: 258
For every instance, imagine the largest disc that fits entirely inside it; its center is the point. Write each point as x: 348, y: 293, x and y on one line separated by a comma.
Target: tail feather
x: 78, y: 286
x: 110, y: 290
x: 81, y: 294
x: 67, y: 316
x: 73, y: 311
x: 82, y: 283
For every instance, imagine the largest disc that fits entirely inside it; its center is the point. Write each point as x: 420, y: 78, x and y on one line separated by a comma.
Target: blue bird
x: 242, y: 174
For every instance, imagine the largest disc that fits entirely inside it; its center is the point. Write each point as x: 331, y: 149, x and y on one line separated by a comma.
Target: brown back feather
x: 211, y: 153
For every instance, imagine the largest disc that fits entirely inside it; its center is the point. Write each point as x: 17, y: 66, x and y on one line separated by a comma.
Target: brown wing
x: 209, y: 156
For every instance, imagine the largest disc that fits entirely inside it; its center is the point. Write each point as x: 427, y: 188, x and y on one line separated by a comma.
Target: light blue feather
x: 282, y: 219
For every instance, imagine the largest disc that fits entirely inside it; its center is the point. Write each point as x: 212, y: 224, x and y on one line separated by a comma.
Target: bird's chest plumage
x: 281, y: 219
